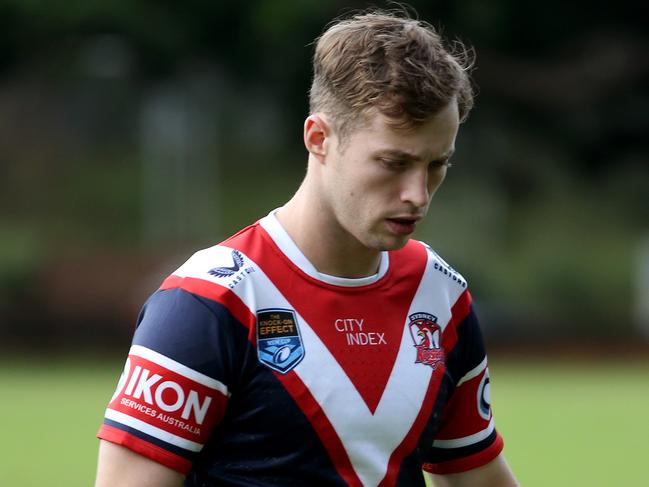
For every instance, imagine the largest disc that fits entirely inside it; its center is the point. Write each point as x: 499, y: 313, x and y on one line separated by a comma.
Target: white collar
x: 274, y: 228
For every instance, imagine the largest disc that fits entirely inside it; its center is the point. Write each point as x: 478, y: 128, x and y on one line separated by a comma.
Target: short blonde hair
x: 390, y: 62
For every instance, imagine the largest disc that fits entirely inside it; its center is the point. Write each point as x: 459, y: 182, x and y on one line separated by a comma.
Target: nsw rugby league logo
x: 427, y: 335
x: 279, y: 344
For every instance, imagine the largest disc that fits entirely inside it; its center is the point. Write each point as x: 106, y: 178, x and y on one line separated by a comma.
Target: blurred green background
x: 135, y: 132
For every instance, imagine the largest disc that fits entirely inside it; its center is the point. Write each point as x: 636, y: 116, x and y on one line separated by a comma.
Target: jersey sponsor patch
x: 166, y: 400
x: 426, y: 334
x: 279, y: 344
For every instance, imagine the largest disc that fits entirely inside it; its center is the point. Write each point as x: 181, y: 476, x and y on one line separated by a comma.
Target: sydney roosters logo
x: 426, y: 334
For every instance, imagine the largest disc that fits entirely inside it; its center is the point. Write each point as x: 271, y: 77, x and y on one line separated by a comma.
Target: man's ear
x: 317, y: 135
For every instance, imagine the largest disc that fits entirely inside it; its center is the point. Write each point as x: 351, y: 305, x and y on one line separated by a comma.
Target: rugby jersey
x: 249, y: 367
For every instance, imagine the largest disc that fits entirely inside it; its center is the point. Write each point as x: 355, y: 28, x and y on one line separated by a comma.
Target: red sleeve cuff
x: 467, y: 463
x: 148, y: 450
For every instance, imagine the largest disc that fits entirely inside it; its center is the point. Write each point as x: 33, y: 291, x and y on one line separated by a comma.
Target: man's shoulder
x: 437, y: 263
x: 222, y: 262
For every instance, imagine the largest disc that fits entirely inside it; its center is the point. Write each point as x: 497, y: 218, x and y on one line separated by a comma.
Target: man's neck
x: 323, y: 241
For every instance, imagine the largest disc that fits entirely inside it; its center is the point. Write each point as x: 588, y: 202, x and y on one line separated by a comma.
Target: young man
x: 322, y: 346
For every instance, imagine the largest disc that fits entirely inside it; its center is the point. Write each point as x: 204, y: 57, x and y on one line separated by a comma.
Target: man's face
x: 380, y: 184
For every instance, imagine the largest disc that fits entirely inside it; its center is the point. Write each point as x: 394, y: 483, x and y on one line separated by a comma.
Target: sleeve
x: 177, y: 379
x: 467, y: 437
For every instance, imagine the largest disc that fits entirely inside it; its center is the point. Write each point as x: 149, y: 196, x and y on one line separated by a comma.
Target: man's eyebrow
x: 403, y: 155
x: 397, y: 154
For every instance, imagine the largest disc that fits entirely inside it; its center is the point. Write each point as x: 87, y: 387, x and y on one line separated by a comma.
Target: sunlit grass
x: 571, y: 424
x: 51, y: 412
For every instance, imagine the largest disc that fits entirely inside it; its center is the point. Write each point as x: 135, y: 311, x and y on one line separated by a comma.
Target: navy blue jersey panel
x: 411, y: 473
x: 260, y: 416
x: 470, y: 349
x: 265, y: 432
x: 195, y: 331
x: 427, y: 437
x: 423, y: 452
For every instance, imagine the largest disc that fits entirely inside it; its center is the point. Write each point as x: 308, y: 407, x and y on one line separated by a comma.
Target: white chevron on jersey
x: 368, y: 442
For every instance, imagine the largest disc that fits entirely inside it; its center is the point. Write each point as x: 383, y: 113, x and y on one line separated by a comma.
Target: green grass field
x: 565, y: 424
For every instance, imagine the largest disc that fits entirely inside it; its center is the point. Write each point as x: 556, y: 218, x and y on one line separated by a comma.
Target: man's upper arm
x: 494, y: 474
x: 176, y: 380
x: 466, y: 437
x: 118, y: 465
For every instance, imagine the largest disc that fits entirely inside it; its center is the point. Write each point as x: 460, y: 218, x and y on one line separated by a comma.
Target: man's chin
x: 393, y: 243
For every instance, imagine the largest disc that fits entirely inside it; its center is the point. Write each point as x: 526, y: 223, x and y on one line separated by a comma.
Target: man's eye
x: 393, y: 164
x: 438, y: 164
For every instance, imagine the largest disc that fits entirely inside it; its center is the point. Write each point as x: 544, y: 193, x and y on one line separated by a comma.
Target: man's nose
x: 415, y: 189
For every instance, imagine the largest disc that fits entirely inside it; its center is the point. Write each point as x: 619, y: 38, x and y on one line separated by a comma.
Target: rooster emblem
x: 426, y: 335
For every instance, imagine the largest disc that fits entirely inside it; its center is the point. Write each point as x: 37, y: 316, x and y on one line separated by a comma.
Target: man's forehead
x: 434, y: 139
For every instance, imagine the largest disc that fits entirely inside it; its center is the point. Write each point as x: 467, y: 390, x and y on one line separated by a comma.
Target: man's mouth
x: 402, y: 226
